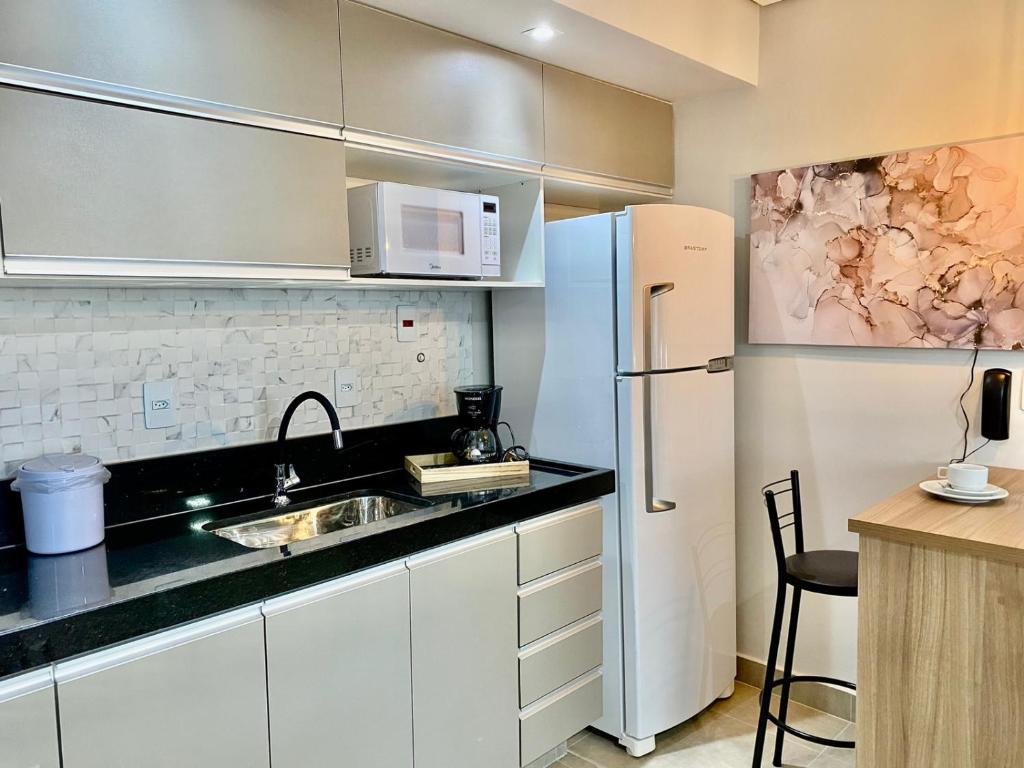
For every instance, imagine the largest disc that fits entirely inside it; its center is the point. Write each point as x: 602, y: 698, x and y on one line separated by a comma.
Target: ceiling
x: 586, y: 44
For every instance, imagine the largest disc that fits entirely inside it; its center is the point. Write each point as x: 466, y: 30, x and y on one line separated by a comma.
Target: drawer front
x: 555, y: 718
x: 558, y: 600
x: 558, y: 541
x: 552, y: 662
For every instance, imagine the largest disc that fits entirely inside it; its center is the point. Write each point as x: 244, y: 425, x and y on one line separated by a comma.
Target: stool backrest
x: 780, y: 521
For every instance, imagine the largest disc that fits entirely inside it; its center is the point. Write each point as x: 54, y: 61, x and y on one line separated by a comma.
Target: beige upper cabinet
x: 594, y: 127
x: 409, y: 80
x: 280, y: 56
x: 139, y: 193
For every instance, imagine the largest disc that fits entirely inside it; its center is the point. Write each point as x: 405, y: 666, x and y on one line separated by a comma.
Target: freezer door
x: 677, y: 545
x: 674, y: 287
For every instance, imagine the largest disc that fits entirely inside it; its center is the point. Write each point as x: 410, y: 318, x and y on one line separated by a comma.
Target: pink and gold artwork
x: 913, y: 249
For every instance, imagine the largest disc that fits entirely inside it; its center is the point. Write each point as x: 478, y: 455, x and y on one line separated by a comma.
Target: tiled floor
x: 722, y: 736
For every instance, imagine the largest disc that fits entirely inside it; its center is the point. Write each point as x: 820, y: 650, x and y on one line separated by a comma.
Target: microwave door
x: 432, y: 232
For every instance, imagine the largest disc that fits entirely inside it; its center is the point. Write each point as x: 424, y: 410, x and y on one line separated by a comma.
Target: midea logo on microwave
x: 694, y: 248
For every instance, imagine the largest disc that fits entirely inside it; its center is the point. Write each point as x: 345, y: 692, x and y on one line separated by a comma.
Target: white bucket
x: 62, y: 502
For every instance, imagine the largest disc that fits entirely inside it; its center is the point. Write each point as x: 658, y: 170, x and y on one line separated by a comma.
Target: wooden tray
x: 431, y: 468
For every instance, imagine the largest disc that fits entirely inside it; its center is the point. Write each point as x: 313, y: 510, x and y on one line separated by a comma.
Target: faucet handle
x: 291, y: 479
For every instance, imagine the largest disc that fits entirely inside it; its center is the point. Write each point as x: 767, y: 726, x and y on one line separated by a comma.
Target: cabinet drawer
x: 558, y: 600
x: 556, y: 660
x: 558, y: 541
x: 555, y: 718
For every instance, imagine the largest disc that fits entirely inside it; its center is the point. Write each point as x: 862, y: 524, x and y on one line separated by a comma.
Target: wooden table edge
x: 935, y: 540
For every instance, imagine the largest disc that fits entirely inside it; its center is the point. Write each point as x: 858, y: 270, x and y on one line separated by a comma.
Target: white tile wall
x: 73, y: 362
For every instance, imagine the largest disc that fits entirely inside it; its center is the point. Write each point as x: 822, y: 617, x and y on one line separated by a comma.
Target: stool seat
x: 826, y: 571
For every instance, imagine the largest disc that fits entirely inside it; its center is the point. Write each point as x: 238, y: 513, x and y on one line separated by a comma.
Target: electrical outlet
x: 346, y: 388
x: 407, y: 330
x: 159, y: 405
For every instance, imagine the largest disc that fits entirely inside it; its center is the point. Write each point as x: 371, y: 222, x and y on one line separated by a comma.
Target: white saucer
x: 988, y: 490
x: 937, y: 488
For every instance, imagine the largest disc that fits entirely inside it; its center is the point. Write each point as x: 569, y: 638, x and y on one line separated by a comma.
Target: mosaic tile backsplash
x: 73, y: 363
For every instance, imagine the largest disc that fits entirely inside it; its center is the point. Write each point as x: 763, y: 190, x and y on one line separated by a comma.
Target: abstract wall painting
x: 913, y: 249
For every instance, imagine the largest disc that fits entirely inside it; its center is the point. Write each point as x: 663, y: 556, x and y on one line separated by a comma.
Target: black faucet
x: 285, y: 472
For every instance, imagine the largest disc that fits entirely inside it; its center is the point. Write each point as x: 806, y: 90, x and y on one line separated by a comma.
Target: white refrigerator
x: 624, y: 360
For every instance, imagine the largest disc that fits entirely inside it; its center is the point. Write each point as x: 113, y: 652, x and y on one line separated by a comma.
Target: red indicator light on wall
x: 407, y: 323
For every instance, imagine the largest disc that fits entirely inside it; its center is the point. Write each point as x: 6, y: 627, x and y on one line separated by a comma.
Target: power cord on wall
x: 967, y: 419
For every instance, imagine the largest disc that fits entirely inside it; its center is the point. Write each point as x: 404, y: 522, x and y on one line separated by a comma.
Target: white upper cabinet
x: 279, y: 56
x: 408, y: 80
x: 594, y: 127
x: 96, y: 189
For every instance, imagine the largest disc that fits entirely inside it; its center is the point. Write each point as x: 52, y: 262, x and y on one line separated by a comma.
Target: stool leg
x: 769, y: 673
x: 794, y: 616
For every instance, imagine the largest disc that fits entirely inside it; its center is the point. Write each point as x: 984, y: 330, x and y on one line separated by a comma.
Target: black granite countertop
x: 154, y: 573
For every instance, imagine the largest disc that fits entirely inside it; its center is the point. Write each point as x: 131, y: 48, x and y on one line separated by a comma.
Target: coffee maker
x: 476, y: 439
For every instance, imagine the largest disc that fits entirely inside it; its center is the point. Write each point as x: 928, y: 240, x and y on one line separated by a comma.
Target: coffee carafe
x: 476, y: 439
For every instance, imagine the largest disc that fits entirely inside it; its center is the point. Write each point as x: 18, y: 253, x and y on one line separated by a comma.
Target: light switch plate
x: 159, y: 404
x: 407, y: 330
x: 346, y: 388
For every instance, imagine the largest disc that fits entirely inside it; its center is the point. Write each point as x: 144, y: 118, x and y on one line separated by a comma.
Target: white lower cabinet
x: 28, y: 722
x: 413, y: 663
x: 193, y: 696
x: 464, y: 648
x: 339, y: 673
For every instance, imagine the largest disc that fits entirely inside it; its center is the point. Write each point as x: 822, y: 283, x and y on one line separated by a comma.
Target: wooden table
x: 940, y: 652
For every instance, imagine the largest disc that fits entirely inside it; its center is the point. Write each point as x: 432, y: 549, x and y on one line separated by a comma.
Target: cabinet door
x: 406, y: 79
x: 194, y: 696
x: 280, y: 56
x: 338, y: 673
x: 96, y: 182
x: 595, y: 127
x: 464, y: 654
x: 28, y: 722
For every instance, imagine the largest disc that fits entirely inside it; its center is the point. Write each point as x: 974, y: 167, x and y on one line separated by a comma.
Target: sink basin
x: 305, y: 521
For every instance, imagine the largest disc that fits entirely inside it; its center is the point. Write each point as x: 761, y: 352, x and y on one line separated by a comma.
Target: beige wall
x: 841, y: 79
x: 719, y: 33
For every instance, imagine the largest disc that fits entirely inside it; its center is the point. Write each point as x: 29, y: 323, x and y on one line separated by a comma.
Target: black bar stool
x: 825, y: 571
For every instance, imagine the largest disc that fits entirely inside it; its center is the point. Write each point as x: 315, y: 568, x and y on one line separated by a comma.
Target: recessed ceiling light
x: 542, y: 33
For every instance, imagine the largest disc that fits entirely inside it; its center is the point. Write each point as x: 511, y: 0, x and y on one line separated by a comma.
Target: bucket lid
x: 61, y: 465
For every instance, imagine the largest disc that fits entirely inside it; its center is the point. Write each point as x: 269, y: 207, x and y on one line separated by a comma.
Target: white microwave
x: 401, y: 230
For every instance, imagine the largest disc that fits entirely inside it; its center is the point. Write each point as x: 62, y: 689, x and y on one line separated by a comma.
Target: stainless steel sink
x: 285, y: 526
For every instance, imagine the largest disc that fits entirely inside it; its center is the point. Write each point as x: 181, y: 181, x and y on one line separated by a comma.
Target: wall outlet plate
x: 347, y: 391
x: 406, y: 323
x: 159, y: 404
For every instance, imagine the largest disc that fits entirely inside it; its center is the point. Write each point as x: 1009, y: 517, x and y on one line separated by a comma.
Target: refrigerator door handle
x: 652, y: 504
x: 650, y: 291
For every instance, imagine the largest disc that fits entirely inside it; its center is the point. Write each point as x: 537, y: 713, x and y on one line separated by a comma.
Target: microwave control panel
x: 490, y: 237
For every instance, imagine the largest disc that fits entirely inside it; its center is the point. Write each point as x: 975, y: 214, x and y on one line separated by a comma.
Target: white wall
x: 841, y: 79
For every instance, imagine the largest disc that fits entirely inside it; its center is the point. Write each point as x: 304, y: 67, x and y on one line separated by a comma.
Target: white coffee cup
x: 965, y: 477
